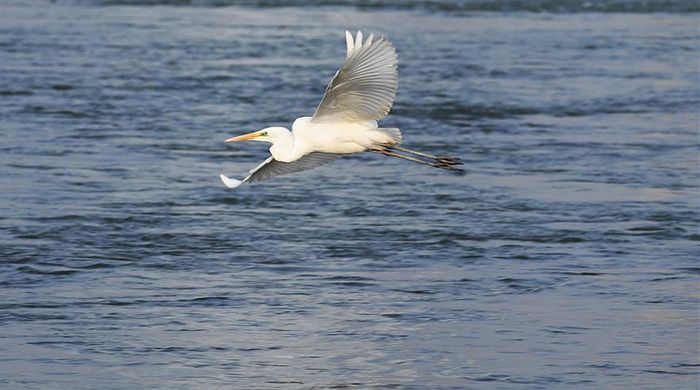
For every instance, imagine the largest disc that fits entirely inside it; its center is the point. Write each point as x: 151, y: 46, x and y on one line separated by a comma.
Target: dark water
x: 565, y: 258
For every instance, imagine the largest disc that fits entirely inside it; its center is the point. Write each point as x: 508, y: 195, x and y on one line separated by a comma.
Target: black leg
x: 436, y: 163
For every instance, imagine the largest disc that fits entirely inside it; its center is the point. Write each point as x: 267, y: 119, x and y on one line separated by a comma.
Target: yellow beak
x: 244, y: 137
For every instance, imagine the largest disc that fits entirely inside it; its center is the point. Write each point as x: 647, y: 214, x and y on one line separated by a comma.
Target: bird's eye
x: 263, y: 134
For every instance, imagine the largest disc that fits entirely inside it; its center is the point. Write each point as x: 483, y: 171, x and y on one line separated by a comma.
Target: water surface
x: 566, y: 256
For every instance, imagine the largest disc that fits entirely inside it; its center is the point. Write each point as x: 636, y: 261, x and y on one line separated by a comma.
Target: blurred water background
x: 566, y: 257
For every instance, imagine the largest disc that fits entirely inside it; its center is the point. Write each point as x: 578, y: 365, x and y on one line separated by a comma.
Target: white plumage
x: 361, y: 92
x: 364, y: 88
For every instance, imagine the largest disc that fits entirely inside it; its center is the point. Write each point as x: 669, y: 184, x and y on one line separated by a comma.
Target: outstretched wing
x: 365, y: 86
x: 271, y: 167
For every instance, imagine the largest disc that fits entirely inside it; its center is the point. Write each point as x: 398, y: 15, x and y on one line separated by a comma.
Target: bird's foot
x: 448, y: 166
x: 449, y: 160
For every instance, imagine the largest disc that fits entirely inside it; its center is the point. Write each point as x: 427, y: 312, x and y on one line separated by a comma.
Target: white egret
x: 345, y: 122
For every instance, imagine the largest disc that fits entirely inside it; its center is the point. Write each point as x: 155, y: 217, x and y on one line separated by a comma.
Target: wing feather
x: 271, y: 167
x: 365, y: 85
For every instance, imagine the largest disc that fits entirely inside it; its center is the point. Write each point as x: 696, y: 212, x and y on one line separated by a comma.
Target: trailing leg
x: 435, y: 163
x: 444, y: 159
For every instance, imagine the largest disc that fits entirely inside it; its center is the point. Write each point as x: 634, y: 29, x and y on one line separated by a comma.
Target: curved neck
x: 284, y: 148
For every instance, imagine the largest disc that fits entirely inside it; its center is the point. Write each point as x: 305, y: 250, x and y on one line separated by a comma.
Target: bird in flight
x: 345, y: 122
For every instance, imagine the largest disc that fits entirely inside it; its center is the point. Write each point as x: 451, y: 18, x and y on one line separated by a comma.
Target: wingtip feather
x: 349, y: 42
x: 230, y: 183
x: 364, y: 87
x: 358, y: 40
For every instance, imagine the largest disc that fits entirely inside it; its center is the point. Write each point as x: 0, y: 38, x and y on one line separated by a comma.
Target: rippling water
x: 566, y: 257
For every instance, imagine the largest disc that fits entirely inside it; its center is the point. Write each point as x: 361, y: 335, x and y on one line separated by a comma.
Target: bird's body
x: 345, y: 122
x: 334, y: 137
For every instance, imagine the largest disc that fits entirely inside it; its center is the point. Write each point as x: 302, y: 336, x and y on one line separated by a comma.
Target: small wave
x: 461, y: 111
x: 457, y: 110
x: 36, y: 271
x: 206, y: 301
x: 357, y: 212
x: 61, y: 87
x: 415, y: 291
x: 354, y: 284
x: 64, y: 113
x: 94, y: 266
x: 345, y: 278
x: 9, y: 92
x: 458, y: 6
x: 520, y: 286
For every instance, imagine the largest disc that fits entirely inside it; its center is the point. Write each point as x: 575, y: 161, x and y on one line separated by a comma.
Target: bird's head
x: 268, y: 134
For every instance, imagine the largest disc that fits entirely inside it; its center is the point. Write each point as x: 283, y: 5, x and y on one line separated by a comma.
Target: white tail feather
x: 392, y: 132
